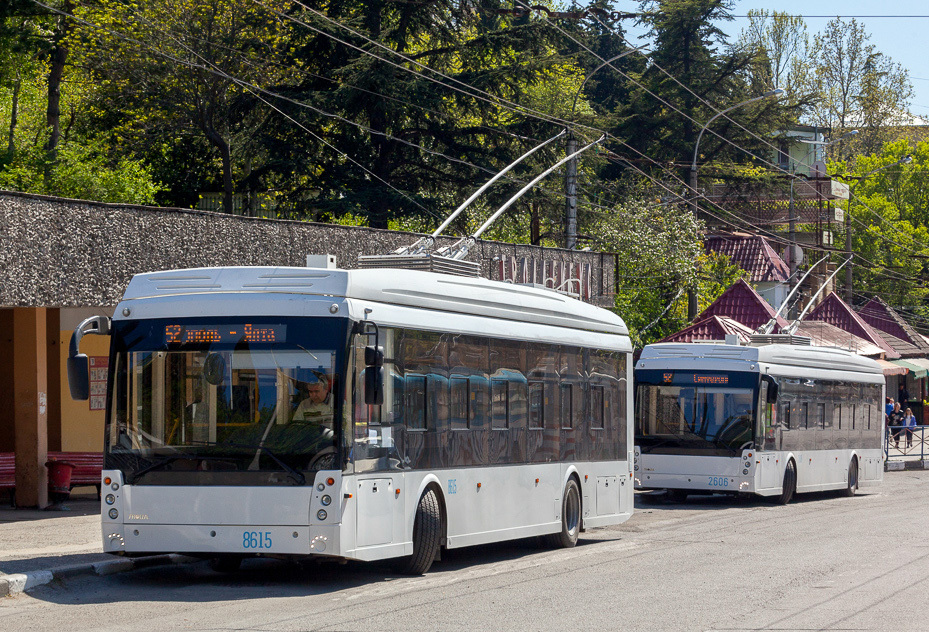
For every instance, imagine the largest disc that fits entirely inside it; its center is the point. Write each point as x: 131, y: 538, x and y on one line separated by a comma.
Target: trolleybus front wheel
x: 852, y: 478
x: 570, y: 518
x: 226, y: 563
x: 790, y: 483
x: 427, y: 536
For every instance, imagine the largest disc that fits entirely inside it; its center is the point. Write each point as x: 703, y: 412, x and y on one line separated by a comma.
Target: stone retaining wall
x: 57, y: 252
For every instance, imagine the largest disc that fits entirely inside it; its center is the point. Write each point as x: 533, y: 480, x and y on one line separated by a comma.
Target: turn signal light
x: 107, y: 480
x: 330, y: 481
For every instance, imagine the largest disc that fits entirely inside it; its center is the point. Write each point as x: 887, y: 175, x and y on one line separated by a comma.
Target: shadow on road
x: 271, y: 578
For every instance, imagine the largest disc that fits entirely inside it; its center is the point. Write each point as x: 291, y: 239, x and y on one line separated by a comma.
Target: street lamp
x: 777, y: 92
x: 571, y: 169
x: 692, y: 294
x: 848, y: 222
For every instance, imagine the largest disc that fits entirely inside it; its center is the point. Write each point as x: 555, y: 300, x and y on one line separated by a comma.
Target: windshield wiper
x: 168, y: 459
x: 294, y: 473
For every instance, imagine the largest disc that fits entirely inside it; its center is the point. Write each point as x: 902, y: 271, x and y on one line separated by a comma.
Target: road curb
x: 16, y: 583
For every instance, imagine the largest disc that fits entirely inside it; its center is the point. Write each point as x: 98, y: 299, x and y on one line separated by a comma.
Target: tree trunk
x: 14, y: 109
x: 57, y: 59
x: 226, y: 156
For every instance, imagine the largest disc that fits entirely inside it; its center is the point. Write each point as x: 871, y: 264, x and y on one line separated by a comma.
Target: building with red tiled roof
x: 837, y: 312
x: 712, y: 328
x: 899, y: 334
x: 767, y: 270
x: 742, y: 303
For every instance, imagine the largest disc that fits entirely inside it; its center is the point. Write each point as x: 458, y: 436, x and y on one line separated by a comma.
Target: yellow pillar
x: 30, y: 405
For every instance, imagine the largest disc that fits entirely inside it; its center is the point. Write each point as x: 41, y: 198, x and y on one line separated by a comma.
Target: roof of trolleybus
x: 386, y: 287
x: 762, y: 357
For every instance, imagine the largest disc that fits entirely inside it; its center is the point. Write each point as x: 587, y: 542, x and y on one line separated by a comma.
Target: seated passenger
x: 316, y: 407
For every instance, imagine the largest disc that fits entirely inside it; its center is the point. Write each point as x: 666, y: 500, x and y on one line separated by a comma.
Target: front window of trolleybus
x: 225, y: 402
x: 698, y: 418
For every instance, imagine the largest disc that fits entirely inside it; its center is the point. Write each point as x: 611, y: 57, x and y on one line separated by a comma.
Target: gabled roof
x: 882, y: 317
x: 837, y: 312
x: 712, y: 328
x: 752, y: 253
x: 822, y: 334
x: 742, y: 303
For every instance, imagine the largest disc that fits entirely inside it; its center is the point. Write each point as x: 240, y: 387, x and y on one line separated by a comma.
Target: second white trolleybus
x: 771, y: 420
x: 363, y: 414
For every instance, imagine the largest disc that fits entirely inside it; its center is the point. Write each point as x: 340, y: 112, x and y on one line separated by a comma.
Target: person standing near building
x: 909, y: 425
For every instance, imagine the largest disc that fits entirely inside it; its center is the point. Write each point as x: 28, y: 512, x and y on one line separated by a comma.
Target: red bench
x: 88, y: 467
x: 8, y: 474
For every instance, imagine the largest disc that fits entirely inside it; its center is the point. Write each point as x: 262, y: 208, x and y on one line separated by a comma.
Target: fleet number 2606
x: 718, y: 481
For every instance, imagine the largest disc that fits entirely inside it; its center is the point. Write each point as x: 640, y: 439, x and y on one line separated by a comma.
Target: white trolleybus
x: 363, y: 414
x: 771, y: 420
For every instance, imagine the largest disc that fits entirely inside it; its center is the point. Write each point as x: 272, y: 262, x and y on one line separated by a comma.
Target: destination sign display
x: 177, y: 334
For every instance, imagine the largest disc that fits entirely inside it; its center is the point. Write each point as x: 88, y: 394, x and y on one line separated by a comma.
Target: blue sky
x: 899, y: 35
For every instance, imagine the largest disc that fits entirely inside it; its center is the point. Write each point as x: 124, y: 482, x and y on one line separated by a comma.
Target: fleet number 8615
x: 718, y: 481
x: 256, y: 539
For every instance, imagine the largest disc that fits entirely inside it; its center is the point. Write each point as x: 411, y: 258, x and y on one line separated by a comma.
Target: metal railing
x: 897, y: 444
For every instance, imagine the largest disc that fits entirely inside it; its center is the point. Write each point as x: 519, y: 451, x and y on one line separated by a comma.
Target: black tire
x: 676, y: 495
x: 427, y: 536
x: 226, y: 563
x: 790, y: 484
x: 852, y: 488
x: 570, y: 518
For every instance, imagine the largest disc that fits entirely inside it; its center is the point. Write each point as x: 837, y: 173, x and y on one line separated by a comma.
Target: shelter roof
x: 837, y: 312
x: 902, y: 336
x: 742, y: 303
x: 752, y: 253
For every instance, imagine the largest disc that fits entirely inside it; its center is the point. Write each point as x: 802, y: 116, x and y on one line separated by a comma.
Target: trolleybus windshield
x: 697, y: 412
x: 225, y: 401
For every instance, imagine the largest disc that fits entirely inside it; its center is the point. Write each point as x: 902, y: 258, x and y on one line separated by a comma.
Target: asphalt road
x: 713, y: 563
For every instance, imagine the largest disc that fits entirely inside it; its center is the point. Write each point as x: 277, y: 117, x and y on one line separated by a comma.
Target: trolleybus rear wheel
x: 427, y: 536
x: 852, y: 478
x: 790, y: 483
x: 570, y: 518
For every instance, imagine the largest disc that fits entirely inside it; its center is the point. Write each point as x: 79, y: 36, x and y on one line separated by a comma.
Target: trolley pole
x: 571, y: 196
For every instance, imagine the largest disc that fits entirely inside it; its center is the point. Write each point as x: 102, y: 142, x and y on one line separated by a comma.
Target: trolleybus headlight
x: 321, y: 514
x: 745, y: 471
x: 325, y: 500
x: 110, y: 499
x: 320, y: 487
x: 113, y: 513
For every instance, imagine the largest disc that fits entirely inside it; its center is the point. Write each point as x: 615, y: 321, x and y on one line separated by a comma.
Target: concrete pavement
x: 38, y: 546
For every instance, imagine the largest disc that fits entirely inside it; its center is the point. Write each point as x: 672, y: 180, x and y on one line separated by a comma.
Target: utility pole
x: 571, y: 196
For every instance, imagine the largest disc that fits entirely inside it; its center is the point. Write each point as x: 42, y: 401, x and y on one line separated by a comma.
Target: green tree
x: 858, y: 87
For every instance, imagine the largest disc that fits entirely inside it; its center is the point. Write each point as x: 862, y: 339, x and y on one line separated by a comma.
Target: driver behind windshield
x: 316, y: 404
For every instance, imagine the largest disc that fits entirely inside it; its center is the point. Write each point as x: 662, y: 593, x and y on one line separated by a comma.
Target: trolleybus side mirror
x: 772, y: 389
x: 78, y: 368
x: 374, y: 375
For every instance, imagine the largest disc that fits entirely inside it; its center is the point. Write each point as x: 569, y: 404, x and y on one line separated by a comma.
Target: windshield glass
x: 226, y: 402
x: 712, y: 416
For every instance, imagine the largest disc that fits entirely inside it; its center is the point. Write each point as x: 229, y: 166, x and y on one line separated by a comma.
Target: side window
x: 785, y: 415
x: 459, y: 414
x: 567, y: 408
x: 596, y: 407
x: 499, y: 397
x: 477, y: 402
x: 415, y: 402
x: 536, y: 405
